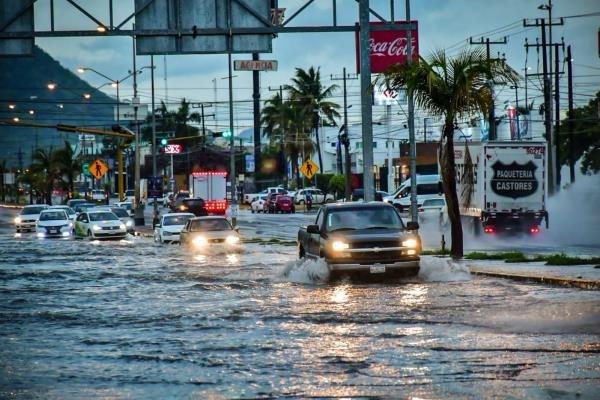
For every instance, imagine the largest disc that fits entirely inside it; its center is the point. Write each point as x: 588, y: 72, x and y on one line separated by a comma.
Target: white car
x: 169, y: 227
x: 258, y: 204
x: 204, y: 233
x: 98, y: 196
x: 128, y: 206
x: 250, y: 197
x: 28, y: 217
x: 123, y: 215
x: 99, y: 225
x: 70, y: 212
x: 428, y: 187
x: 432, y: 208
x: 318, y: 197
x: 129, y: 196
x: 54, y: 223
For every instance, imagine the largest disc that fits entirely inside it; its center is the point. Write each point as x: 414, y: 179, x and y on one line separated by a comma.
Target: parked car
x: 284, y: 204
x: 99, y: 225
x: 258, y: 205
x: 168, y: 199
x: 70, y: 212
x: 269, y: 204
x: 359, y: 195
x: 73, y: 202
x: 365, y: 239
x: 196, y: 206
x: 432, y: 208
x: 129, y: 196
x: 249, y: 197
x: 54, y: 223
x: 210, y: 232
x: 428, y: 187
x: 28, y: 217
x: 170, y: 225
x: 318, y: 197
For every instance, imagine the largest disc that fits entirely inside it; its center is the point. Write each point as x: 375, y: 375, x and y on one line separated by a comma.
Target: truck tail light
x: 534, y: 230
x: 421, y: 209
x: 489, y: 229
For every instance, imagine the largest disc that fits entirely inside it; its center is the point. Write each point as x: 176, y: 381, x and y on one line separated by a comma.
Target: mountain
x: 23, y: 83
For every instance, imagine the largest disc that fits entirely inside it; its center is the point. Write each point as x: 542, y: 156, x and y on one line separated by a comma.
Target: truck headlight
x: 411, y: 243
x: 200, y: 241
x: 18, y: 220
x: 96, y: 228
x: 232, y: 239
x: 338, y: 245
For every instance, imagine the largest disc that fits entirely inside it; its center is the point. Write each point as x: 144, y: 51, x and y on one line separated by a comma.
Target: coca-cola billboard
x: 389, y: 47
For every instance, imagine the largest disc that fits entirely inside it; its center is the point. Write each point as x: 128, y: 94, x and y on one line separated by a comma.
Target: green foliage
x: 337, y: 184
x: 586, y: 137
x: 323, y: 181
x: 436, y: 252
x: 511, y: 256
x: 518, y: 257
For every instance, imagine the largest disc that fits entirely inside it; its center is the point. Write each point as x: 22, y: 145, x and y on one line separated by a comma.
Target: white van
x: 428, y: 187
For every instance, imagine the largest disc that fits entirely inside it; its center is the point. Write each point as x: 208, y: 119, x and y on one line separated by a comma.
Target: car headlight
x: 122, y: 226
x: 411, y: 243
x: 129, y: 223
x: 18, y: 220
x: 70, y: 225
x: 41, y: 234
x: 182, y: 207
x: 232, y: 239
x: 200, y: 241
x: 339, y: 245
x: 67, y: 233
x: 96, y: 228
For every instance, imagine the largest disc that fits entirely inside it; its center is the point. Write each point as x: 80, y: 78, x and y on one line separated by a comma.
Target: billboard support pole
x: 411, y: 131
x: 233, y: 204
x: 365, y: 102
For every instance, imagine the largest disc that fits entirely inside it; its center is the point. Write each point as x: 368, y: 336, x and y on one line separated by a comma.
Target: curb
x: 549, y: 280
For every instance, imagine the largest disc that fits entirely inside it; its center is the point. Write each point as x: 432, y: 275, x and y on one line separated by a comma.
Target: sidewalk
x: 580, y: 276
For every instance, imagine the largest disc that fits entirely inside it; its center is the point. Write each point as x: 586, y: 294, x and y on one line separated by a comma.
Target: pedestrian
x: 308, y: 200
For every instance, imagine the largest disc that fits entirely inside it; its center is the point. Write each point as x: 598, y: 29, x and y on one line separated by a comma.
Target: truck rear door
x: 514, y: 176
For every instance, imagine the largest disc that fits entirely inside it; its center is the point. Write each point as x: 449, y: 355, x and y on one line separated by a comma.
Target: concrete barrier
x: 549, y: 280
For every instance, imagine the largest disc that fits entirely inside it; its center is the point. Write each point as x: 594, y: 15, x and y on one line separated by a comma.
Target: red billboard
x: 389, y: 47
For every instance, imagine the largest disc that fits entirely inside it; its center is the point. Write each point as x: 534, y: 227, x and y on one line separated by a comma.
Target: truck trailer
x: 211, y: 186
x: 501, y: 186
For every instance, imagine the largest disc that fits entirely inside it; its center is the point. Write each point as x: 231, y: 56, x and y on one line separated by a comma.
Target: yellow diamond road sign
x: 98, y: 169
x: 309, y: 168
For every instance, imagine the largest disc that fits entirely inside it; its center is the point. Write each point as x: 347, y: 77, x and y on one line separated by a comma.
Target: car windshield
x: 210, y: 225
x: 103, y: 216
x: 176, y: 219
x: 367, y: 218
x: 434, y: 202
x: 126, y: 206
x: 57, y: 215
x: 68, y: 210
x: 81, y: 207
x: 32, y: 210
x: 129, y: 193
x: 120, y: 212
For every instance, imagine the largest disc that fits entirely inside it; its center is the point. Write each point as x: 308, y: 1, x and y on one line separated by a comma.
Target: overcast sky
x: 442, y: 24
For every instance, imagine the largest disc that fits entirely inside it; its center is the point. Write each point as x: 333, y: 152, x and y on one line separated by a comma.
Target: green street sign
x: 85, y: 169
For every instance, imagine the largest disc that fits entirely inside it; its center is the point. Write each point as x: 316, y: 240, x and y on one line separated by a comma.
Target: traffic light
x: 227, y: 134
x: 163, y: 141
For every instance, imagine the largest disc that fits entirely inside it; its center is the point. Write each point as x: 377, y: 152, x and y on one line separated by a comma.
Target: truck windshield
x: 176, y: 220
x: 369, y: 218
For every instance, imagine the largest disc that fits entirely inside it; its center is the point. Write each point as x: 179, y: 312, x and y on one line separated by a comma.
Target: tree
x: 337, y: 185
x: 310, y: 94
x: 43, y: 164
x: 68, y: 166
x: 452, y: 88
x: 586, y: 135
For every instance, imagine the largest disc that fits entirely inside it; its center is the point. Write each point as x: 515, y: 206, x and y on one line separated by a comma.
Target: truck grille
x: 370, y: 245
x: 378, y: 257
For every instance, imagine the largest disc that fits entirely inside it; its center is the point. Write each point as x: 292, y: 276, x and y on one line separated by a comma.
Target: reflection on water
x: 135, y: 319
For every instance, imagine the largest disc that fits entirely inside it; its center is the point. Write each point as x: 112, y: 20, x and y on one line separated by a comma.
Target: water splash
x: 305, y: 271
x: 437, y: 269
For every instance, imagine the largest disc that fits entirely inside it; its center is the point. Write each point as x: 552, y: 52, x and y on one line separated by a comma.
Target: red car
x: 284, y: 204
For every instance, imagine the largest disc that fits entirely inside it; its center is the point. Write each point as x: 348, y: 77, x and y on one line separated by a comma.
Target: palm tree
x: 310, y: 94
x: 44, y: 165
x: 452, y: 88
x: 68, y: 166
x: 35, y: 181
x: 273, y: 119
x: 182, y: 116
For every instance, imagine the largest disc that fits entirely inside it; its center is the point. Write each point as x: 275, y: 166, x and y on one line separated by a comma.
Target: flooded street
x: 83, y: 319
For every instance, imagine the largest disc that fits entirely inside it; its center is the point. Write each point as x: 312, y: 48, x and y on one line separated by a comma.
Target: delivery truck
x: 501, y: 186
x: 211, y: 186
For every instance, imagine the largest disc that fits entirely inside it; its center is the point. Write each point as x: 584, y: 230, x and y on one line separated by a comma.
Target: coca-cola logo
x: 396, y: 47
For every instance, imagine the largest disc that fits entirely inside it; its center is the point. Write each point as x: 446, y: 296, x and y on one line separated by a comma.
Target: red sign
x: 173, y: 149
x: 389, y: 47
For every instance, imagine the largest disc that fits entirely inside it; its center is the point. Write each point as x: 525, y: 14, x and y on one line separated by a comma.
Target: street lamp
x: 51, y: 85
x: 31, y: 112
x: 11, y: 106
x: 16, y: 119
x: 87, y: 96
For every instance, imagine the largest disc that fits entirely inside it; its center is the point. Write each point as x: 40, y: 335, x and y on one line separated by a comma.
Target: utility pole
x: 202, y: 105
x: 138, y: 210
x: 388, y: 145
x: 345, y: 138
x: 552, y: 161
x: 570, y: 120
x: 492, y: 113
x: 557, y: 114
x: 256, y: 107
x: 366, y: 106
x: 282, y: 141
x: 411, y: 133
x: 155, y: 210
x: 232, y: 177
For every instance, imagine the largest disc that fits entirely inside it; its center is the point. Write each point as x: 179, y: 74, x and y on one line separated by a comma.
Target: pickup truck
x: 364, y: 239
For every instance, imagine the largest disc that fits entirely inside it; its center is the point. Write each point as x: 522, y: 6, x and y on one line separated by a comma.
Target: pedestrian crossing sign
x: 98, y: 168
x: 309, y: 168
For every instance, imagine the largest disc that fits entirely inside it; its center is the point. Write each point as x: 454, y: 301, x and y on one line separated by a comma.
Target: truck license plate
x: 377, y: 269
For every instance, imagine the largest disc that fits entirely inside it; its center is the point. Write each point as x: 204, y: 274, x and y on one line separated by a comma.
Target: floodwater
x: 81, y: 319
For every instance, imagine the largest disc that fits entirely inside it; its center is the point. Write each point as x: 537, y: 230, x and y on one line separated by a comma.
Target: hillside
x: 23, y: 82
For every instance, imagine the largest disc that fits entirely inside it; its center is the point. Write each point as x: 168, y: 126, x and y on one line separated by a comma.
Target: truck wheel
x: 476, y: 227
x: 253, y: 211
x: 301, y: 253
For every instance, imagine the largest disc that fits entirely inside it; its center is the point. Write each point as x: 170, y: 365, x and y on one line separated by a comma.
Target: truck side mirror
x: 440, y: 189
x: 313, y: 229
x: 412, y: 226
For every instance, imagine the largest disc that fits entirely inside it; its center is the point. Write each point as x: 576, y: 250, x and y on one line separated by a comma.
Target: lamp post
x: 517, y: 110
